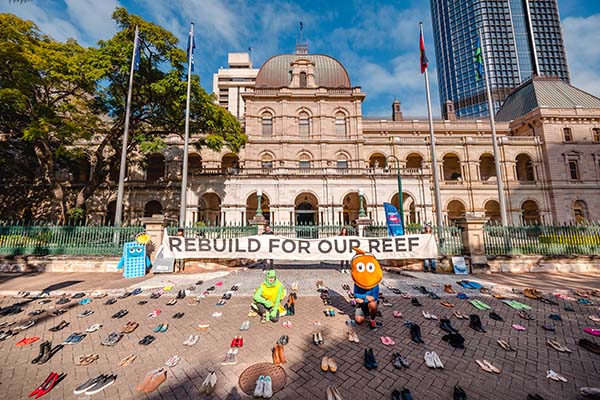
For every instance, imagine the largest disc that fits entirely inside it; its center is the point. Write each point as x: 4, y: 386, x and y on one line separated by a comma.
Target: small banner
x: 393, y: 219
x: 283, y: 248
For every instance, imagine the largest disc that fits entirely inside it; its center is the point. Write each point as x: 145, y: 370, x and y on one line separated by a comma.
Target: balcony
x: 329, y: 171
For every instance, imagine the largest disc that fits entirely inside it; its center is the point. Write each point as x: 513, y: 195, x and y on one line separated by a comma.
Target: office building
x: 230, y: 83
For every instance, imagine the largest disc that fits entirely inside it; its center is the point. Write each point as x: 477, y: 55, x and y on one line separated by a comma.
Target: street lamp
x: 361, y: 211
x: 258, y: 203
x: 400, y: 200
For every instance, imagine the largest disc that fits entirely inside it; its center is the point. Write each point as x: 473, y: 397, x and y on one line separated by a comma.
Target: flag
x: 478, y: 61
x: 394, y: 221
x: 136, y: 57
x: 192, y: 44
x: 301, y: 26
x: 423, y: 57
x: 250, y: 49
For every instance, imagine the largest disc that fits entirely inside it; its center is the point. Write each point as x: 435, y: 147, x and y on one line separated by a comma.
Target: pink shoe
x: 218, y: 283
x: 390, y: 341
x: 592, y: 331
x: 154, y: 313
x: 519, y: 327
x: 397, y: 314
x: 384, y: 340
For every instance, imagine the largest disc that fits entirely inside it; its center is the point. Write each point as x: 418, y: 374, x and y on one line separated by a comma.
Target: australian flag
x: 191, y: 46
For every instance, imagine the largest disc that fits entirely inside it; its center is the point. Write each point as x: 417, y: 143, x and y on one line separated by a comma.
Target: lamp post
x: 400, y: 199
x: 361, y: 211
x: 258, y: 203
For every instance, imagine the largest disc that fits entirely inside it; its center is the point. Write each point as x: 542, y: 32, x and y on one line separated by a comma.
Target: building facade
x: 311, y: 154
x: 521, y: 38
x: 230, y: 83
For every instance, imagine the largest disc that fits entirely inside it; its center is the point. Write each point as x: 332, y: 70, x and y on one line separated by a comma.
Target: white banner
x: 284, y: 248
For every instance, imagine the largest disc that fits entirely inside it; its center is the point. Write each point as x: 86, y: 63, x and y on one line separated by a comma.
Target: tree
x: 69, y: 102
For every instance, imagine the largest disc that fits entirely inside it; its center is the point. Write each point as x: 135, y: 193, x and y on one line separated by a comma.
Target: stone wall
x: 59, y: 264
x: 521, y: 264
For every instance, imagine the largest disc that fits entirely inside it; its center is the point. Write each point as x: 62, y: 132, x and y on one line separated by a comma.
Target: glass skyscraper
x: 520, y: 38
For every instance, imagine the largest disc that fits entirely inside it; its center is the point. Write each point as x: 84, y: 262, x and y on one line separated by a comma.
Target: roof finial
x: 301, y: 46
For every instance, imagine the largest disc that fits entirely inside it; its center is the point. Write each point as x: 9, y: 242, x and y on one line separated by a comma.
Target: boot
x: 279, y: 349
x: 415, y: 333
x: 476, y: 323
x: 44, y: 348
x: 275, y: 354
x: 459, y: 393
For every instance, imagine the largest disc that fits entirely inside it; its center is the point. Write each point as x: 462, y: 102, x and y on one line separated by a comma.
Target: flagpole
x: 183, y: 208
x: 436, y: 178
x: 123, y: 167
x: 499, y: 179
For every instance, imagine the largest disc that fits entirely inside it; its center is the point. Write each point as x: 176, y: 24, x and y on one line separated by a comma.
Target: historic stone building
x: 311, y: 155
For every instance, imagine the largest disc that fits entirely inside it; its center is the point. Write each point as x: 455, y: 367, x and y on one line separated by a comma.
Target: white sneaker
x: 436, y: 360
x: 260, y: 386
x: 193, y: 340
x: 268, y: 388
x: 429, y: 360
x: 93, y: 328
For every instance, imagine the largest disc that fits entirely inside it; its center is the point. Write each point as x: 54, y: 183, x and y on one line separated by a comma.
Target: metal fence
x: 217, y: 231
x: 449, y: 238
x: 311, y: 231
x: 543, y: 239
x: 65, y: 239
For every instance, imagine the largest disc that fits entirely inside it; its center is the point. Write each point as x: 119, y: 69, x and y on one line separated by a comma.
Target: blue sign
x: 394, y: 221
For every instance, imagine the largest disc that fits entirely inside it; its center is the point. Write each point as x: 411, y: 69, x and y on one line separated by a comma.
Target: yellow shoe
x: 168, y: 288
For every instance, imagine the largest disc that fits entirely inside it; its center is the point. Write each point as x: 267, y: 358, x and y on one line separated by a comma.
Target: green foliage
x: 76, y: 214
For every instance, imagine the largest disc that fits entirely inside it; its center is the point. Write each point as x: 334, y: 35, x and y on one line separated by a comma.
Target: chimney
x: 396, y: 111
x: 449, y: 112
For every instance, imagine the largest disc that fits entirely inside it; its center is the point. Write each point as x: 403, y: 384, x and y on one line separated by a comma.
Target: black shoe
x: 445, y: 325
x: 101, y: 384
x: 476, y: 323
x: 415, y: 333
x: 78, y: 295
x: 415, y: 302
x: 396, y: 395
x: 423, y: 290
x: 406, y: 394
x: 62, y: 325
x: 495, y: 316
x: 88, y: 384
x: 49, y: 354
x: 534, y: 397
x: 110, y: 301
x: 63, y: 300
x: 44, y: 348
x: 142, y: 302
x: 455, y: 340
x: 372, y: 359
x: 434, y: 296
x: 459, y: 393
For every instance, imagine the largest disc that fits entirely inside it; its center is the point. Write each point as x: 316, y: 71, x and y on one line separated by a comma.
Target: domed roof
x: 329, y: 72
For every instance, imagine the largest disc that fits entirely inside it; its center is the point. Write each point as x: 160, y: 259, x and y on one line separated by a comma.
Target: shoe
x: 415, y: 302
x: 259, y: 389
x: 156, y: 380
x: 172, y: 361
x: 429, y: 360
x: 405, y: 394
x: 555, y: 376
x: 86, y: 313
x: 110, y: 301
x: 112, y: 339
x: 436, y: 360
x: 147, y: 340
x: 62, y: 325
x: 127, y: 360
x: 27, y: 341
x: 415, y: 333
x: 445, y: 325
x: 372, y: 362
x: 44, y: 348
x: 88, y: 384
x: 74, y: 338
x: 455, y: 340
x: 475, y: 323
x: 332, y: 364
x: 495, y: 316
x: 459, y: 393
x: 448, y: 289
x: 590, y: 346
x: 101, y: 385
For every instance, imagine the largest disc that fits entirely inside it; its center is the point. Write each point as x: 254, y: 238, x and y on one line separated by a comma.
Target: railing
x: 542, y: 239
x: 217, y: 231
x: 317, y: 171
x: 311, y: 231
x: 65, y: 239
x: 449, y: 238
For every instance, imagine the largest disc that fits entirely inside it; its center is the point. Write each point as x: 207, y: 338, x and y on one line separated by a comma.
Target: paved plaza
x: 522, y: 372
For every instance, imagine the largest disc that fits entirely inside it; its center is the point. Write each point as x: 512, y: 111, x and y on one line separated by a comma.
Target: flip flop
x: 519, y: 327
x: 592, y: 331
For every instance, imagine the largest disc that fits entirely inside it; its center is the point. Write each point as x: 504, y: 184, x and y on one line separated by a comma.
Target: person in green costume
x: 267, y: 298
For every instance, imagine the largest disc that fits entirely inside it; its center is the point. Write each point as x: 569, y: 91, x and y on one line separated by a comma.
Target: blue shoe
x: 85, y: 301
x: 164, y: 328
x: 158, y: 328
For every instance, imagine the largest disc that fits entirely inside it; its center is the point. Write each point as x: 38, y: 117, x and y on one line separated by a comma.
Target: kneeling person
x: 366, y: 274
x: 267, y: 298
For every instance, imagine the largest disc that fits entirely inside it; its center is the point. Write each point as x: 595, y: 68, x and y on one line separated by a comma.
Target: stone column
x: 472, y: 234
x: 155, y: 227
x: 260, y: 224
x: 361, y: 223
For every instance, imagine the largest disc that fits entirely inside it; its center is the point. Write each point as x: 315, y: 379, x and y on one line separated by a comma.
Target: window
x: 580, y: 211
x: 304, y: 124
x: 340, y: 124
x: 567, y: 135
x: 524, y: 168
x: 342, y: 165
x: 302, y: 79
x: 574, y: 170
x: 304, y: 165
x: 596, y: 134
x: 266, y: 163
x: 267, y: 124
x: 156, y: 168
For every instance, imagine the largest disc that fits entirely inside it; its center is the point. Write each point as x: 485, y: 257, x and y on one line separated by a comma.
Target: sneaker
x: 89, y: 384
x: 268, y: 388
x: 259, y: 389
x: 101, y: 385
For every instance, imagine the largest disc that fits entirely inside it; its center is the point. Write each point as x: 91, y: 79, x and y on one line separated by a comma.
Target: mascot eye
x: 360, y: 267
x: 132, y: 250
x: 370, y: 267
x: 139, y: 249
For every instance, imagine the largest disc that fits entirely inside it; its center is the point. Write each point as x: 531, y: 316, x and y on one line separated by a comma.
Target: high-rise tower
x: 522, y: 38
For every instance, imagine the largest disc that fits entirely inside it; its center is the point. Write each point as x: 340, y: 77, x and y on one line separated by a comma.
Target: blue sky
x: 377, y: 41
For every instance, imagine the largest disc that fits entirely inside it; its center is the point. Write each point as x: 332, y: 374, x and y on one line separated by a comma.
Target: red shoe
x: 234, y: 342
x: 37, y: 389
x: 50, y: 385
x: 27, y: 340
x: 240, y: 342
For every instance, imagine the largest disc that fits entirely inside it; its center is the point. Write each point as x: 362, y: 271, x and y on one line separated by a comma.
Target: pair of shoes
x: 86, y: 313
x: 63, y: 300
x: 120, y: 314
x: 130, y: 327
x: 172, y: 302
x: 398, y: 361
x: 495, y: 316
x: 49, y: 383
x: 221, y: 302
x: 264, y: 387
x: 455, y: 340
x: 191, y: 340
x: 231, y: 357
x: 24, y: 326
x: 87, y: 359
x: 428, y: 315
x: 432, y: 360
x: 448, y: 289
x: 476, y: 324
x: 328, y: 364
x: 459, y: 393
x: 446, y: 325
x: 555, y: 376
x: 590, y: 346
x: 93, y: 328
x: 403, y: 394
x: 505, y: 345
x: 112, y: 339
x: 46, y: 352
x: 459, y: 315
x: 415, y: 302
x: 209, y: 384
x: 370, y: 362
x: 557, y: 346
x: 415, y: 333
x: 154, y: 313
x: 127, y: 360
x: 237, y: 341
x: 487, y: 366
x: 152, y: 381
x: 147, y: 340
x: 178, y: 315
x: 446, y: 304
x: 180, y: 295
x: 74, y: 338
x: 161, y: 328
x: 278, y: 355
x: 62, y: 325
x: 283, y: 340
x: 333, y: 393
x: 245, y: 326
x: 353, y: 337
x: 173, y: 361
x: 156, y: 295
x: 318, y: 338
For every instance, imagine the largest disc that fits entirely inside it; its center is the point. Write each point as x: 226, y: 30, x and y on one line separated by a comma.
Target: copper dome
x: 329, y: 72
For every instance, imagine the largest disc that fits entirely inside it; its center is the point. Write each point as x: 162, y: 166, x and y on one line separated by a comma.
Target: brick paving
x: 522, y: 372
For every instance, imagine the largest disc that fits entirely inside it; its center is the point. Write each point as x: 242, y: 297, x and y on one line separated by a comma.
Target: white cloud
x: 582, y: 54
x: 93, y: 18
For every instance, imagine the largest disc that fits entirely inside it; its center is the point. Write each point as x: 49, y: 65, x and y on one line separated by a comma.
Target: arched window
x: 492, y: 211
x: 194, y: 163
x: 414, y: 160
x: 266, y: 162
x: 456, y: 211
x: 267, y: 124
x: 487, y: 167
x: 303, y: 79
x: 230, y: 163
x: 580, y: 211
x: 342, y: 163
x: 304, y: 124
x: 530, y: 212
x: 156, y: 167
x: 152, y: 207
x: 451, y: 167
x: 340, y: 124
x: 524, y: 168
x: 377, y: 160
x: 304, y: 163
x: 81, y: 171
